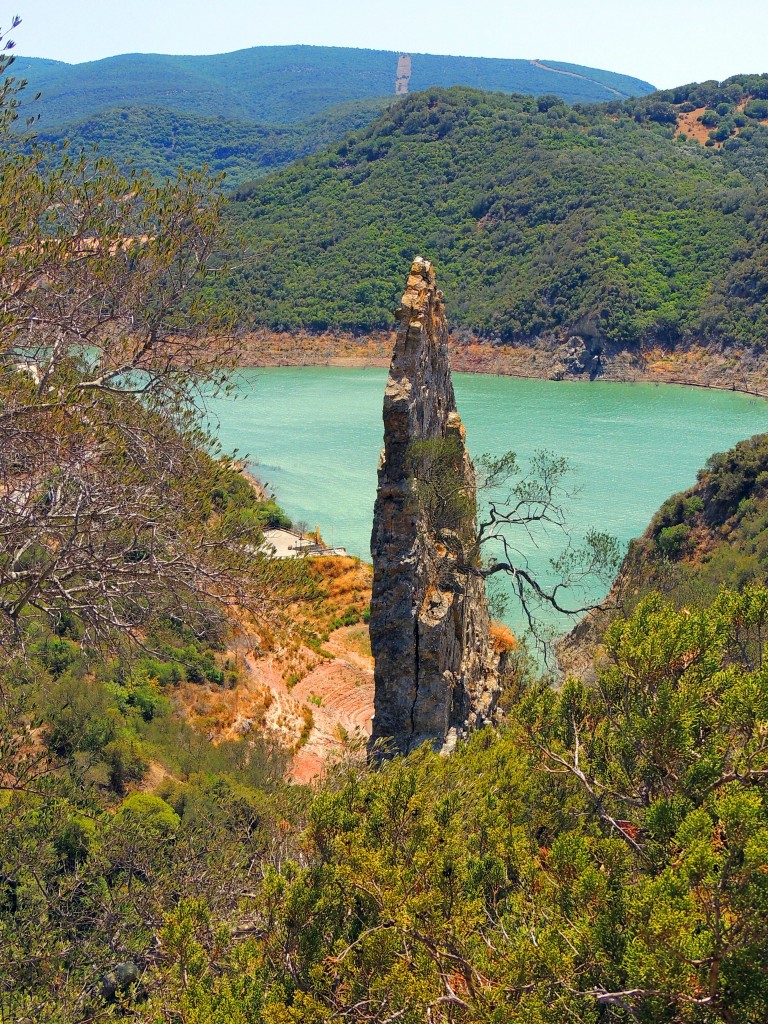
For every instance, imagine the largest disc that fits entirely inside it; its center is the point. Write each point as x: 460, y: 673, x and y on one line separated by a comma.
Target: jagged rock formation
x: 436, y: 672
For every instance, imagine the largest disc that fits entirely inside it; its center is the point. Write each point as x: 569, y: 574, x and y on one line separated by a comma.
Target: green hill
x: 161, y: 140
x: 713, y: 535
x: 286, y: 84
x: 710, y: 537
x: 541, y: 217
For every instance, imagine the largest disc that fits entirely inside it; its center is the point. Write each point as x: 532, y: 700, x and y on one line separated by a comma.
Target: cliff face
x: 436, y: 673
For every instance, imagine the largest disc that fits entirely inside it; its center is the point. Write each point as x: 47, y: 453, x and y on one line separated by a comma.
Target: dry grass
x: 502, y: 637
x: 294, y: 689
x: 344, y: 595
x: 224, y: 714
x: 690, y: 124
x: 358, y: 639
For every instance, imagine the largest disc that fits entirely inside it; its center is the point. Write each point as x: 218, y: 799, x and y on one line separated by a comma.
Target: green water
x: 314, y: 435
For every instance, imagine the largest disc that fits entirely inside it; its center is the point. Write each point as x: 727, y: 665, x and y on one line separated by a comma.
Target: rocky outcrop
x: 435, y: 670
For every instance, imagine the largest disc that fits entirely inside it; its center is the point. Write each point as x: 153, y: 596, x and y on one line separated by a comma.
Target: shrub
x: 58, y: 654
x: 273, y: 517
x: 672, y: 539
x: 548, y: 100
x: 124, y: 763
x: 757, y: 108
x: 693, y: 505
x: 723, y: 131
x: 74, y: 840
x: 153, y: 814
x: 79, y: 717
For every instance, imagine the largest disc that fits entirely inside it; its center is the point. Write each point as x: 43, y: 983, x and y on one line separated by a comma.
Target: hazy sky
x: 667, y: 42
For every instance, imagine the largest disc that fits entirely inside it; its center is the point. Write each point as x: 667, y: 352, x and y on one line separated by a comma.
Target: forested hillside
x: 713, y: 535
x: 160, y: 141
x: 542, y: 217
x: 287, y: 84
x: 247, y: 112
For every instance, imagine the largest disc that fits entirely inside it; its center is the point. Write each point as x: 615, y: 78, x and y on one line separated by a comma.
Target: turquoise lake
x: 313, y: 436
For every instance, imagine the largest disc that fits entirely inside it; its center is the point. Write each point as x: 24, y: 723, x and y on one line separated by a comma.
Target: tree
x: 513, y: 502
x: 669, y: 750
x: 535, y: 501
x: 9, y: 87
x: 107, y: 347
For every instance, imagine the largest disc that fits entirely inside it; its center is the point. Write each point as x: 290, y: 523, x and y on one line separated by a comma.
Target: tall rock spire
x: 435, y: 669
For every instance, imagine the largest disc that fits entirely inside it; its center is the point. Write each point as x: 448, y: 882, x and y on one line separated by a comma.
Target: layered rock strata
x: 436, y: 674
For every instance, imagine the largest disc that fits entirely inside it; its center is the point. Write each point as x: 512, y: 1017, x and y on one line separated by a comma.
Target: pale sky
x: 666, y: 42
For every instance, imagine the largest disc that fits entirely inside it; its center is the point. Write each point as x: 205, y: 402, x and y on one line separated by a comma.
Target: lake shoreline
x: 318, y: 430
x: 312, y: 436
x: 695, y: 365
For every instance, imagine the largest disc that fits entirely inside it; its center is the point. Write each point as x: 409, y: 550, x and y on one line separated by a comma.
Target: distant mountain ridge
x: 287, y: 84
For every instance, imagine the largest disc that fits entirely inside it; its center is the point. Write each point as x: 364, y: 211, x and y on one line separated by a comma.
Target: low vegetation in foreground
x: 601, y: 857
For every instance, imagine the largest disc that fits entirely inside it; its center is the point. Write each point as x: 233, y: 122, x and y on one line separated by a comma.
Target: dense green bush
x: 607, y: 842
x: 757, y: 108
x: 125, y: 763
x: 729, y: 477
x: 600, y: 858
x: 671, y: 539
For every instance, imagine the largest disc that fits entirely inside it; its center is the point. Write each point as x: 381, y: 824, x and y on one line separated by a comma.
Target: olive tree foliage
x: 515, y: 505
x: 106, y: 347
x: 538, y: 500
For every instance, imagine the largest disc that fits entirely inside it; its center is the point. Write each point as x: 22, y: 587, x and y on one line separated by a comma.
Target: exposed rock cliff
x: 436, y: 672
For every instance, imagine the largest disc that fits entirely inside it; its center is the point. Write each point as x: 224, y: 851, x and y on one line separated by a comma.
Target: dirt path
x: 575, y: 74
